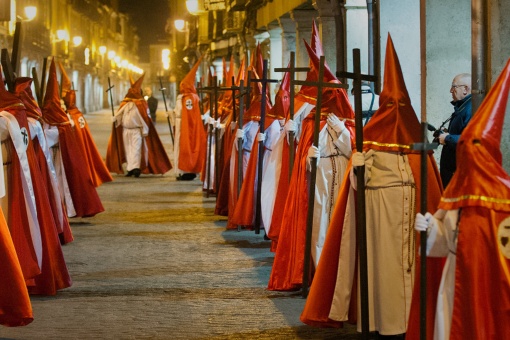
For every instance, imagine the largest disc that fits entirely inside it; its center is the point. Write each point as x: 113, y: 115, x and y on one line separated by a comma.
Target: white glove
x: 240, y: 134
x: 217, y: 123
x: 114, y: 119
x: 233, y: 126
x: 261, y: 137
x: 290, y: 126
x: 422, y: 223
x: 335, y: 123
x: 167, y: 114
x: 358, y: 159
x: 313, y: 152
x: 63, y: 105
x: 205, y: 117
x: 70, y: 120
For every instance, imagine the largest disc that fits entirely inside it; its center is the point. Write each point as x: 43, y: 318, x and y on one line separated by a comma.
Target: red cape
x: 97, y: 167
x: 15, y: 307
x: 287, y: 271
x: 192, y: 138
x: 54, y: 274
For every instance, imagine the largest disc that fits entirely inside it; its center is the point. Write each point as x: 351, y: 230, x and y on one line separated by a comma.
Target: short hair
x: 466, y: 78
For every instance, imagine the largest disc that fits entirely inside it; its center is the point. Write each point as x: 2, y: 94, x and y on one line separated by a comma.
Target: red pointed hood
x: 333, y: 100
x: 316, y: 43
x: 68, y: 94
x: 52, y: 111
x: 23, y: 91
x: 480, y: 179
x: 241, y: 72
x: 308, y: 93
x: 7, y: 99
x: 66, y: 82
x: 281, y: 106
x: 394, y: 126
x: 188, y: 83
x: 135, y: 91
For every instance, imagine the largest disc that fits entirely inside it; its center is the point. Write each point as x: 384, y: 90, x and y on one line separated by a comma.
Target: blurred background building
x: 94, y: 39
x: 91, y: 38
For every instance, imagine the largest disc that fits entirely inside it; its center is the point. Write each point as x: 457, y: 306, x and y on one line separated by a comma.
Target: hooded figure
x: 304, y: 102
x: 471, y: 229
x: 189, y: 150
x: 75, y: 179
x: 53, y: 274
x: 45, y: 159
x: 229, y: 150
x: 134, y: 140
x: 248, y: 133
x: 392, y: 189
x: 244, y: 213
x: 98, y: 170
x: 333, y: 153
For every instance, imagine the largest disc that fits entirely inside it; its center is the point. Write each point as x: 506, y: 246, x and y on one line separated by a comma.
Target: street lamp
x: 165, y: 58
x: 180, y: 25
x: 77, y: 40
x: 195, y: 7
x: 30, y: 12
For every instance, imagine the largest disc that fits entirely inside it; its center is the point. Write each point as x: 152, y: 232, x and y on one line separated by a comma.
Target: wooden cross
x: 243, y: 91
x: 213, y: 90
x: 357, y: 77
x: 320, y: 84
x: 37, y: 86
x: 114, y: 134
x: 43, y: 79
x: 264, y: 80
x: 162, y: 89
x: 9, y: 65
x: 292, y: 70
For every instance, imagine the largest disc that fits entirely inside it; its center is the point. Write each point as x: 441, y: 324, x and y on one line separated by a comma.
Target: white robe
x: 335, y: 150
x: 134, y: 130
x: 9, y: 128
x: 36, y: 131
x: 390, y: 197
x: 442, y: 242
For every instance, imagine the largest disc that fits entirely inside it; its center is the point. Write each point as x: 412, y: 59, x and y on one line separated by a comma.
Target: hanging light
x: 180, y: 25
x: 77, y: 40
x: 30, y: 12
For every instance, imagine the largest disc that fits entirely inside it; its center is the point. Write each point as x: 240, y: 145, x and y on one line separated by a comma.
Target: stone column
x: 328, y: 12
x: 275, y: 56
x: 288, y: 27
x: 303, y: 20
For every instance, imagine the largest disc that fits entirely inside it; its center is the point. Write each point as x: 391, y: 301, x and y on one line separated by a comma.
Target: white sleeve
x: 437, y: 240
x: 51, y: 133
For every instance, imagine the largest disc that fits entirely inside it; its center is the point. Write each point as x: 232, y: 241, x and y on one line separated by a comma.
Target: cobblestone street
x: 158, y: 264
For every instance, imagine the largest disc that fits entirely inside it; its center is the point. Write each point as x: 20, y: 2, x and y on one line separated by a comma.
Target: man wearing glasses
x: 461, y: 95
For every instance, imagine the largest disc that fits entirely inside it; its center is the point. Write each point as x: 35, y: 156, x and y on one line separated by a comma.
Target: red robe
x: 287, y: 271
x: 24, y: 93
x: 222, y: 190
x: 192, y: 138
x: 15, y: 307
x: 97, y: 167
x: 54, y: 274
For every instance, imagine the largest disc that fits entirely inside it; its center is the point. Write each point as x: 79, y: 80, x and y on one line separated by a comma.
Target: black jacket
x: 460, y: 119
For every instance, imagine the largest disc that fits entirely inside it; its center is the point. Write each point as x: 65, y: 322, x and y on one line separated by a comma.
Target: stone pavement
x: 158, y: 264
